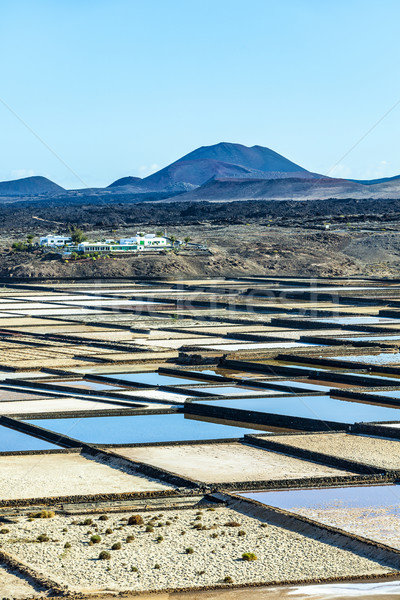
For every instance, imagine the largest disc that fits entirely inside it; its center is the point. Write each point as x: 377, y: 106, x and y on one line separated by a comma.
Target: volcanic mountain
x: 223, y: 160
x: 29, y: 186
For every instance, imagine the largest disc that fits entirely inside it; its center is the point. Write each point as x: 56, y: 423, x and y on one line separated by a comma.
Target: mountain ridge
x: 224, y: 171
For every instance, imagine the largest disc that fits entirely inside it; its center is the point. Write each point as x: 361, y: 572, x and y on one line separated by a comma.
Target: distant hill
x: 373, y: 181
x: 125, y: 181
x: 29, y: 186
x: 226, y: 190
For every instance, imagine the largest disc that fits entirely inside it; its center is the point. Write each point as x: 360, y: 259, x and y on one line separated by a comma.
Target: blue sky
x: 124, y: 87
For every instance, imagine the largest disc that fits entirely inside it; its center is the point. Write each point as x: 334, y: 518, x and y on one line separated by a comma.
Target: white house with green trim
x: 139, y: 243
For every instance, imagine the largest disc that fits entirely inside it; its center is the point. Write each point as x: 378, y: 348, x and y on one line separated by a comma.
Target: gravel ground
x: 16, y: 586
x: 373, y: 359
x: 214, y: 463
x: 217, y: 551
x: 48, y: 475
x: 381, y: 452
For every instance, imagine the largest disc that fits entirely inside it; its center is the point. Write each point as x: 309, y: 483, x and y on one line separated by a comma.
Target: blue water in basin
x: 230, y: 390
x: 323, y: 408
x: 357, y: 496
x: 141, y: 428
x: 13, y: 441
x: 153, y: 378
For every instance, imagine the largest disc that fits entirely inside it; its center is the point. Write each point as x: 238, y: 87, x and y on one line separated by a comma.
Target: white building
x: 55, y: 241
x: 140, y: 242
x: 147, y: 241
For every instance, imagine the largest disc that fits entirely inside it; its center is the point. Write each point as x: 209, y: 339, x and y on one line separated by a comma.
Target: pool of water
x: 372, y: 338
x: 153, y: 378
x: 82, y: 384
x: 298, y: 386
x: 323, y: 408
x: 357, y: 320
x: 389, y: 394
x: 231, y: 391
x: 13, y: 441
x: 354, y: 496
x: 227, y: 373
x: 370, y: 511
x: 141, y: 428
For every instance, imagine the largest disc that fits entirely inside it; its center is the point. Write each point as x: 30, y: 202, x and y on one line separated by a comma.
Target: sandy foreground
x: 377, y: 451
x: 149, y: 562
x: 46, y: 475
x: 240, y: 462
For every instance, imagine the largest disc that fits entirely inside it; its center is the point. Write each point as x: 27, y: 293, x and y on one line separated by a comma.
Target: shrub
x: 103, y: 518
x: 95, y: 539
x: 116, y: 546
x: 149, y: 528
x: 189, y: 550
x: 249, y: 556
x: 43, y: 514
x: 19, y: 247
x: 214, y: 535
x: 228, y: 579
x: 104, y: 555
x: 130, y: 539
x: 241, y: 533
x: 157, y: 566
x: 135, y: 520
x: 168, y: 523
x: 108, y: 531
x: 211, y: 509
x: 43, y: 537
x: 134, y: 569
x: 87, y: 522
x: 67, y: 545
x: 4, y: 530
x: 160, y: 539
x: 232, y: 524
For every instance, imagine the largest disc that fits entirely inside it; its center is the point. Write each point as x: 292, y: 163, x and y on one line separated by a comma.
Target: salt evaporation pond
x: 323, y: 408
x: 15, y: 441
x: 87, y: 385
x: 230, y: 390
x: 369, y: 511
x: 300, y: 385
x: 374, y: 359
x: 153, y: 378
x: 141, y: 429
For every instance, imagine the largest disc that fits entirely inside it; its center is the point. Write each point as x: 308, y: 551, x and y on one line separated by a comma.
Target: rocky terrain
x: 233, y: 250
x: 200, y: 548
